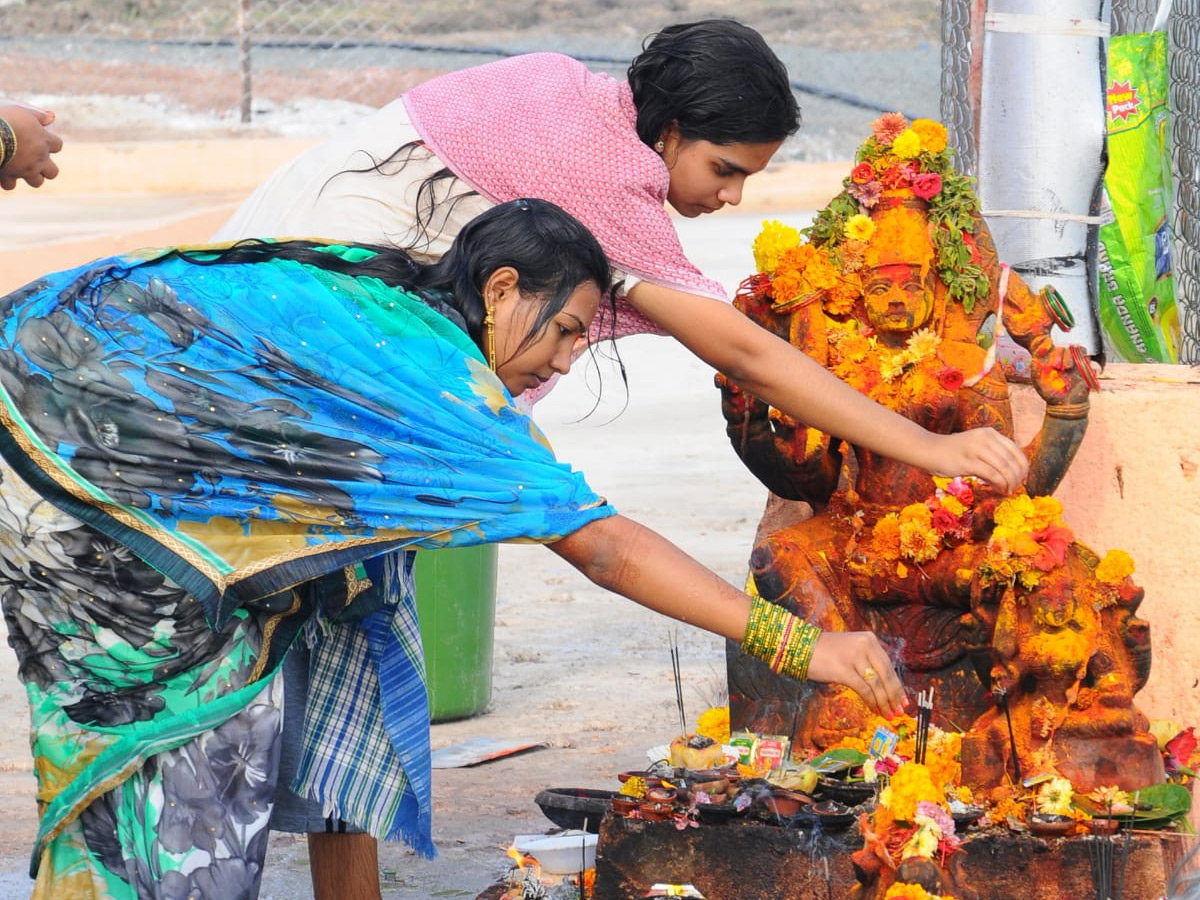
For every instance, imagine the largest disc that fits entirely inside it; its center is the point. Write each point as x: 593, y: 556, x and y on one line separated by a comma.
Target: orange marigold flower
x: 885, y: 537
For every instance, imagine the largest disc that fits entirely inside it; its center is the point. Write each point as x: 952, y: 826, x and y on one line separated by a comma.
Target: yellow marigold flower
x: 909, y: 785
x: 923, y: 843
x: 771, y: 243
x: 714, y: 723
x: 859, y: 227
x: 1013, y: 513
x: 923, y: 344
x: 1054, y: 797
x: 891, y: 366
x: 916, y: 512
x: 907, y: 145
x: 919, y: 542
x: 952, y: 505
x: 1116, y: 566
x: 1046, y: 511
x: 904, y: 891
x: 931, y: 133
x: 634, y: 787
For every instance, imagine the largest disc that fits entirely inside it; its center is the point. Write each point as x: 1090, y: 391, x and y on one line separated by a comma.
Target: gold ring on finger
x: 869, y: 674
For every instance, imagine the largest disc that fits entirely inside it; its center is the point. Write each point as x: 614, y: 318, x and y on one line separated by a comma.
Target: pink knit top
x: 543, y: 125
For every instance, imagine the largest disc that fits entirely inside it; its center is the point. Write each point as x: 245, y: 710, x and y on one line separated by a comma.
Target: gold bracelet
x: 8, y: 143
x: 1067, y: 410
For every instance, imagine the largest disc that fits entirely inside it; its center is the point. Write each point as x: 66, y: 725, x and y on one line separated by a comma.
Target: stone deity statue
x: 897, y: 289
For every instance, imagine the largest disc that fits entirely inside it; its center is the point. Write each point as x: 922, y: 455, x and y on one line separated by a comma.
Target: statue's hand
x: 739, y: 407
x: 984, y: 453
x: 857, y: 660
x: 1061, y: 375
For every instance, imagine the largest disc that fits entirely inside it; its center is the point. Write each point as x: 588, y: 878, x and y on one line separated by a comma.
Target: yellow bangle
x: 780, y: 639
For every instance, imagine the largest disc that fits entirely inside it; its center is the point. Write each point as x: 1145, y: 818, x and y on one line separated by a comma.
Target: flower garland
x: 915, y: 159
x: 920, y: 531
x: 893, y: 378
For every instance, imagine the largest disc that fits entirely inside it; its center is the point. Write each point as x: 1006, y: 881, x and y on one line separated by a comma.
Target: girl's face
x: 548, y: 353
x: 705, y: 176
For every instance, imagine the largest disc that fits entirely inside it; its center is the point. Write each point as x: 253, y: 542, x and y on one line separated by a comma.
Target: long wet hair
x: 551, y: 250
x: 716, y: 80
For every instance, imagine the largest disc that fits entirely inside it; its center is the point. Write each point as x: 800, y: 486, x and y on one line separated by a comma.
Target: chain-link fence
x: 241, y: 60
x: 1183, y: 54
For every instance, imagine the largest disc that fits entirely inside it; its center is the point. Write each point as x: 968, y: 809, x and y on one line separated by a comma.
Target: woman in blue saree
x: 207, y: 455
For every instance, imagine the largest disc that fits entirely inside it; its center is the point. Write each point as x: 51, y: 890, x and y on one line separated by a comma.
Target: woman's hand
x: 982, y: 452
x: 857, y: 660
x: 32, y: 160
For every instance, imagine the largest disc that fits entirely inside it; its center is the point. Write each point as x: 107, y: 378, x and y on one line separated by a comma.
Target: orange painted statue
x: 897, y: 289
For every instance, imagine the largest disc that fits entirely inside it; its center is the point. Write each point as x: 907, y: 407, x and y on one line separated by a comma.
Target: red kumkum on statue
x: 897, y: 289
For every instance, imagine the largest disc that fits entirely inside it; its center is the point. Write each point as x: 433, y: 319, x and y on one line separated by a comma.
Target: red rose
x: 927, y: 184
x: 862, y: 173
x: 950, y: 378
x: 944, y: 521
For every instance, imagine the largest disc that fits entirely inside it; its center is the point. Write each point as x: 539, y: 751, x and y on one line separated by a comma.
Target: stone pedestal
x: 759, y: 862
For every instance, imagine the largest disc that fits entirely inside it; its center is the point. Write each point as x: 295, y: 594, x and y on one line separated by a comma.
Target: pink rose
x: 927, y: 184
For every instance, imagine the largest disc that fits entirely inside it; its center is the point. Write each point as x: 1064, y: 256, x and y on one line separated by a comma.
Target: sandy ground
x: 585, y: 671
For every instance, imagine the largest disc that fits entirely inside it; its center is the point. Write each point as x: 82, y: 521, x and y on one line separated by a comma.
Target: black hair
x: 551, y: 250
x: 716, y: 80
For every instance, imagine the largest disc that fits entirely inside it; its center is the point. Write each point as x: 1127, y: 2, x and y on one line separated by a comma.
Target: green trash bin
x: 456, y: 603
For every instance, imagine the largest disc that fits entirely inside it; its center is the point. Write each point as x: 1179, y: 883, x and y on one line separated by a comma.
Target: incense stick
x: 924, y: 718
x: 678, y: 685
x: 1002, y: 697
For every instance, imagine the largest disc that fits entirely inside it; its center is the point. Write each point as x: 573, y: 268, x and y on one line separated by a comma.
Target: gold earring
x: 659, y: 147
x: 489, y: 322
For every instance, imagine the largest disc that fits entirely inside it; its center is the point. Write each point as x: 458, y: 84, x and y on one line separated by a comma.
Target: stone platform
x: 754, y: 861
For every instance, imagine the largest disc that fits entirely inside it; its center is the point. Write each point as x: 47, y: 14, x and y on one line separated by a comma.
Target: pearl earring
x: 659, y: 147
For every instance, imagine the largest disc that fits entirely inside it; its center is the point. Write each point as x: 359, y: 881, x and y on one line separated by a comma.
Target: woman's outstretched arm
x: 627, y: 558
x: 779, y: 374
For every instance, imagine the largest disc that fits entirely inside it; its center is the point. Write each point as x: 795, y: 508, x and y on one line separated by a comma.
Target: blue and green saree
x: 199, y: 465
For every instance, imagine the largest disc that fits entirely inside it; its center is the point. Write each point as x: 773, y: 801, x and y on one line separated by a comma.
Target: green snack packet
x: 1138, y: 317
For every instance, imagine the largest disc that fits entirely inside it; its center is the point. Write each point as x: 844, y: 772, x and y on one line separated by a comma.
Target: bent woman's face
x: 548, y: 353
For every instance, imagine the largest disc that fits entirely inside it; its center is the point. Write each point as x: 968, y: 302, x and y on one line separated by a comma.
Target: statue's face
x: 896, y: 298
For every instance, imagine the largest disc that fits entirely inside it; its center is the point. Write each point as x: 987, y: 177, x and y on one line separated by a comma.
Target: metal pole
x: 244, y: 57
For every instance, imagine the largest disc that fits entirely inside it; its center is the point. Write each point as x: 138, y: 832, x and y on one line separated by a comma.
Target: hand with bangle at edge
x: 26, y: 145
